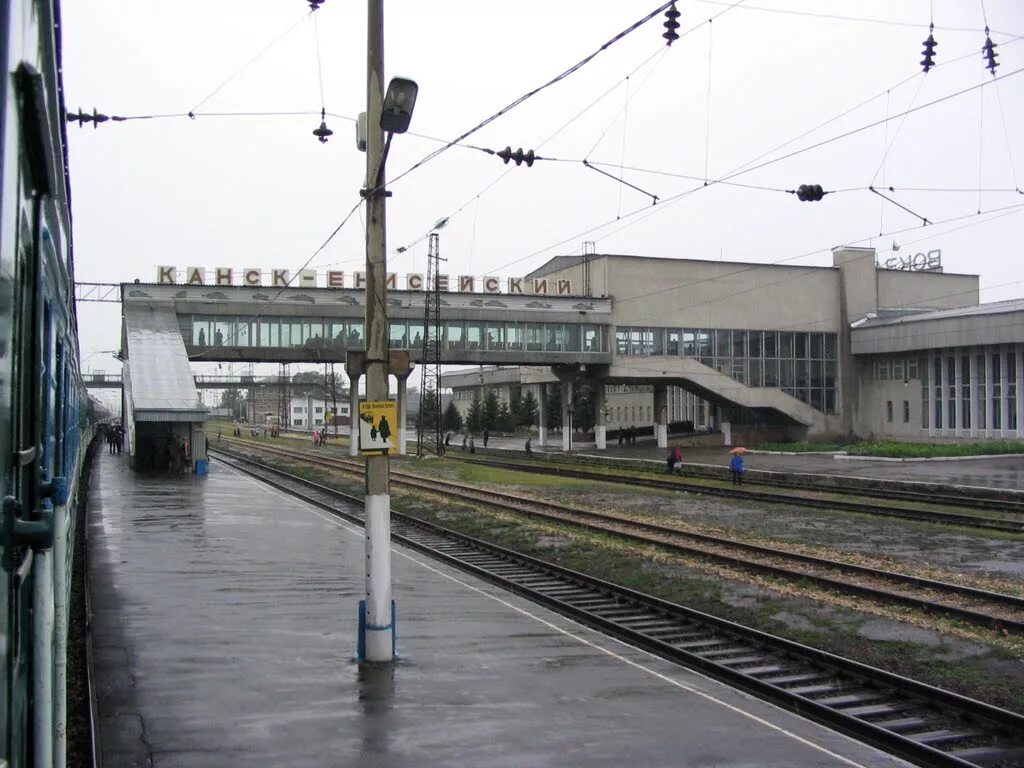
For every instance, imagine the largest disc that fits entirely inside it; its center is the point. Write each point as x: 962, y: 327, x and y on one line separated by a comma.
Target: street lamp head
x: 399, y: 102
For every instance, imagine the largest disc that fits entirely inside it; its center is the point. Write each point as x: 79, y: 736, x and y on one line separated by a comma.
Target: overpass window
x: 496, y: 336
x: 474, y: 336
x: 270, y: 334
x: 555, y: 337
x: 416, y: 335
x: 771, y: 373
x: 965, y: 391
x: 454, y: 336
x: 355, y: 333
x: 572, y: 338
x: 201, y: 334
x: 224, y: 333
x: 771, y: 347
x: 514, y: 338
x: 937, y: 391
x: 245, y: 335
x: 399, y: 335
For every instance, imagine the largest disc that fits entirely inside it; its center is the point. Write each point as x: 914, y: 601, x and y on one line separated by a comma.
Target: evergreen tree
x: 489, y: 416
x: 452, y: 418
x: 504, y: 422
x: 553, y: 407
x: 528, y: 410
x: 474, y: 416
x: 428, y: 410
x: 515, y: 407
x: 583, y: 407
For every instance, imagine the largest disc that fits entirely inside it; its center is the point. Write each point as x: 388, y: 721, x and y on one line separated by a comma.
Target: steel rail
x: 918, y: 722
x: 947, y: 518
x: 669, y: 537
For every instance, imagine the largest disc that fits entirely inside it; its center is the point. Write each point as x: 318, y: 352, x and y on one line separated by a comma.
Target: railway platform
x: 223, y: 625
x: 989, y: 472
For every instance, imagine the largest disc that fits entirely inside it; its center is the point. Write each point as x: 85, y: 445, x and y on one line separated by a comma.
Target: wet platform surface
x: 984, y: 472
x: 224, y: 625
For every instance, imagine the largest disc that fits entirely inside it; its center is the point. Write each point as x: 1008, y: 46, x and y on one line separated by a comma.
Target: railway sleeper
x: 854, y: 698
x: 719, y: 654
x: 798, y: 677
x: 943, y: 737
x: 990, y: 755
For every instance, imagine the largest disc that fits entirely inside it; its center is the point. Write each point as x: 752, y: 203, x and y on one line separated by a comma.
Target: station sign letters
x: 311, y: 278
x: 918, y: 262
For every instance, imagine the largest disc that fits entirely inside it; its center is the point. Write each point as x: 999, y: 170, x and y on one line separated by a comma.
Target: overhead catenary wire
x: 646, y: 211
x: 259, y: 54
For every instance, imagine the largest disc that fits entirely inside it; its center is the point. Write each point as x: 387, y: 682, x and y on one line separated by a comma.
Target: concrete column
x: 353, y: 415
x: 566, y: 416
x: 1004, y: 386
x: 973, y: 372
x: 957, y: 390
x: 989, y: 416
x: 542, y: 416
x: 402, y: 408
x: 661, y: 414
x: 599, y: 418
x: 1018, y: 389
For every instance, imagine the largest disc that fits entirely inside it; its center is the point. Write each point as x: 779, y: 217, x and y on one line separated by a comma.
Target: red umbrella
x: 738, y: 449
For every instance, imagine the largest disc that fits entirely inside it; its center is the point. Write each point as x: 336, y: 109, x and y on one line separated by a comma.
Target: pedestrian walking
x: 447, y: 440
x: 619, y: 430
x: 463, y: 441
x: 736, y: 467
x: 472, y: 446
x: 529, y: 449
x: 677, y: 461
x: 487, y: 436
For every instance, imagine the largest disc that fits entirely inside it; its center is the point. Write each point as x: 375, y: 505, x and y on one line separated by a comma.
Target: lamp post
x: 386, y: 113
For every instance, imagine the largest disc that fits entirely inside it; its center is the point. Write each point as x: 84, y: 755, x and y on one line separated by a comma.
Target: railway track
x: 963, y: 603
x: 923, y: 724
x: 1004, y: 525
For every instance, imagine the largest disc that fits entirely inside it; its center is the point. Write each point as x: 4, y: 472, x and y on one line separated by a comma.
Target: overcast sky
x: 261, y: 191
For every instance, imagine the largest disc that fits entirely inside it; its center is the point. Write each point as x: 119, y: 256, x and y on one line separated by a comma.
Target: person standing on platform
x: 447, y: 440
x: 529, y: 448
x: 736, y: 467
x: 464, y: 441
x: 487, y: 436
x: 472, y: 446
x: 677, y: 461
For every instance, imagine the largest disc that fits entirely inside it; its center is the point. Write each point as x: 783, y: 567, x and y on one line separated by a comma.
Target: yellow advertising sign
x: 378, y: 426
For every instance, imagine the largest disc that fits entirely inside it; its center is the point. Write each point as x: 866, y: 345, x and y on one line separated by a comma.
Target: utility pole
x: 379, y: 626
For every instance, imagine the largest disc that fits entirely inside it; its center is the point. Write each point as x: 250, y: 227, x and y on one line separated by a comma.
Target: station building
x: 768, y: 351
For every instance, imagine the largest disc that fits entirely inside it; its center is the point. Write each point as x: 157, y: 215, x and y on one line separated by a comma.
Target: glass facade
x: 972, y: 391
x: 459, y: 335
x: 800, y: 363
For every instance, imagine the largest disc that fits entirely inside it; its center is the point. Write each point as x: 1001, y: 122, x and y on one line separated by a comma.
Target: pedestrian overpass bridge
x: 167, y: 326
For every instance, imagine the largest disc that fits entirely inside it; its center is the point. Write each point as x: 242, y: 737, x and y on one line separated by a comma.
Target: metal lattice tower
x: 431, y: 440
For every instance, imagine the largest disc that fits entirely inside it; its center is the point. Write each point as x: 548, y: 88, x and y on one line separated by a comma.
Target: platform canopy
x: 158, y: 379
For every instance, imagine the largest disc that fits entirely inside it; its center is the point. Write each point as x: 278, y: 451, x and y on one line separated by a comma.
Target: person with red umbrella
x: 736, y: 465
